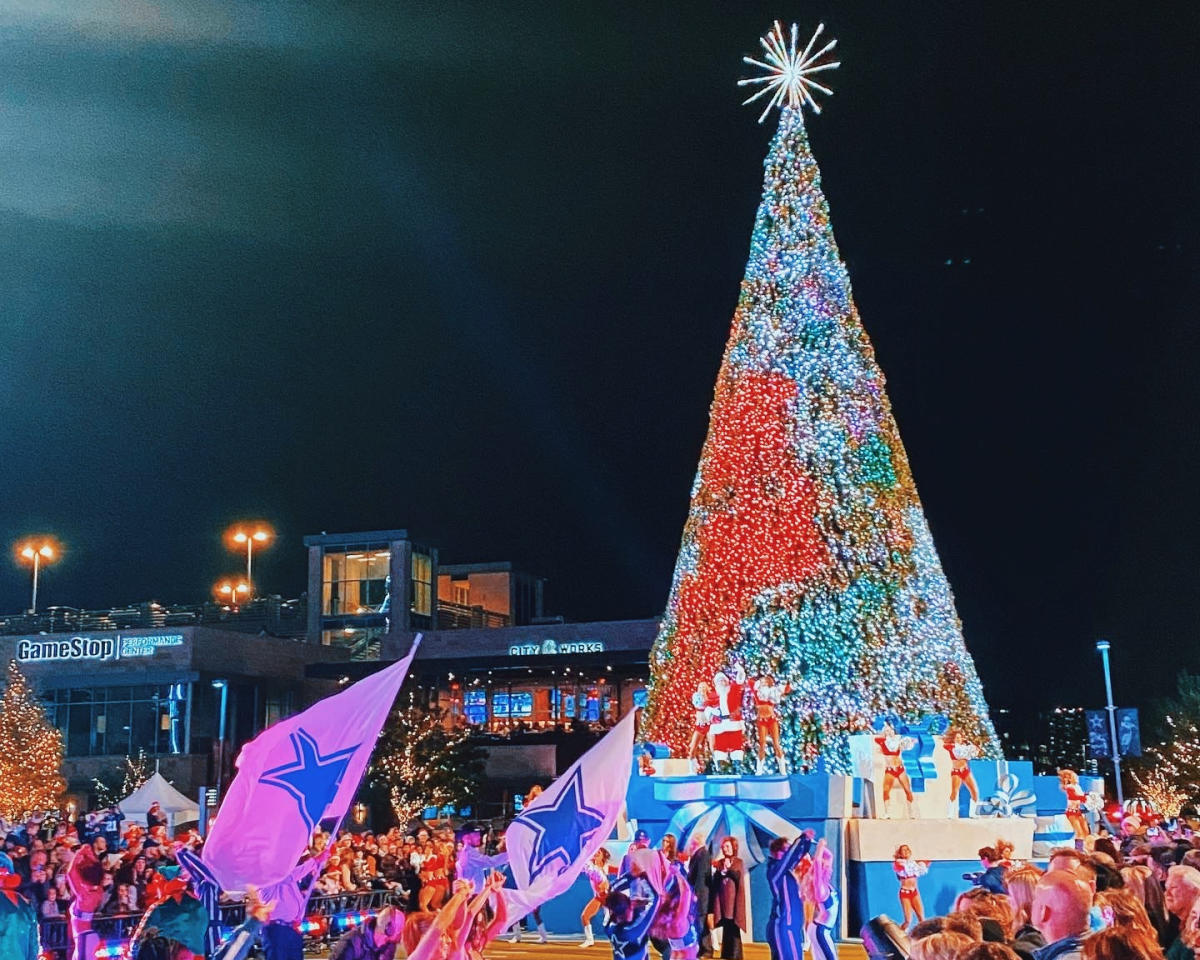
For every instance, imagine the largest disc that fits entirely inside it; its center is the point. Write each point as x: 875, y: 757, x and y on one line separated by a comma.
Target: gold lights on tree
x: 31, y: 751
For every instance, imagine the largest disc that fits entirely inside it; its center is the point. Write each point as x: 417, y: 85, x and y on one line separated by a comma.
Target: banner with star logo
x: 293, y: 775
x: 556, y: 835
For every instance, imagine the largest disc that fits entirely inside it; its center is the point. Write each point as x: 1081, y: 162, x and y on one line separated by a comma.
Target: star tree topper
x: 788, y: 77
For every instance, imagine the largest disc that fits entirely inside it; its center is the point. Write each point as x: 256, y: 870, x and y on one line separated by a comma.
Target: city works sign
x: 95, y: 648
x: 549, y: 646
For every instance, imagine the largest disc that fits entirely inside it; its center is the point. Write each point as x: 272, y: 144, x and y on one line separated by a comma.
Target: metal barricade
x: 56, y: 941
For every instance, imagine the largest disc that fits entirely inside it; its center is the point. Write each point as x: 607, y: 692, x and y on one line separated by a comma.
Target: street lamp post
x: 223, y: 686
x: 260, y: 535
x: 36, y: 552
x: 233, y: 591
x: 1102, y: 646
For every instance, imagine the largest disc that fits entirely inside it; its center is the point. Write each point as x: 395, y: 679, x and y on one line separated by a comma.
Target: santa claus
x: 728, y: 729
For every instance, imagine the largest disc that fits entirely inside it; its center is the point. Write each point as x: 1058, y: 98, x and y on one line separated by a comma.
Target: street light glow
x: 249, y: 534
x: 37, y: 551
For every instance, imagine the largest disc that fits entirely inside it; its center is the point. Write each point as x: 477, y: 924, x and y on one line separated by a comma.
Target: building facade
x: 114, y: 693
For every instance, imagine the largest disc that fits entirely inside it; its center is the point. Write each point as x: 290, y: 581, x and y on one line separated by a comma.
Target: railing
x: 280, y: 618
x: 56, y: 938
x: 459, y: 616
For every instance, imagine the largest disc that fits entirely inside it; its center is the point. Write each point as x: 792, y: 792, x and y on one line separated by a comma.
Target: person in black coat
x: 699, y: 873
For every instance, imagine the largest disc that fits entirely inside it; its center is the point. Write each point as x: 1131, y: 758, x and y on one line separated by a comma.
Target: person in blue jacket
x: 629, y: 931
x: 785, y: 924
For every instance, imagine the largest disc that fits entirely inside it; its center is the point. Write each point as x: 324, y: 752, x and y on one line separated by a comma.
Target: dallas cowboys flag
x: 551, y: 841
x: 295, y: 774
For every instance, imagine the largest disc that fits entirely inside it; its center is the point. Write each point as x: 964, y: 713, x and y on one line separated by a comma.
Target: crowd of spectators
x: 42, y: 848
x: 1131, y: 900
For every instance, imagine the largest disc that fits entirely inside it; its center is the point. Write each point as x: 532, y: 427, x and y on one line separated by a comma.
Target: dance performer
x: 435, y: 878
x: 672, y: 932
x: 377, y: 937
x: 472, y: 864
x: 173, y: 915
x: 961, y: 753
x: 596, y: 870
x: 818, y: 889
x: 704, y: 701
x: 767, y: 696
x: 85, y: 877
x: 785, y: 924
x: 907, y: 871
x: 1069, y: 781
x: 892, y: 746
x: 627, y: 929
x: 18, y: 919
x: 237, y: 947
x: 208, y: 890
x: 728, y: 729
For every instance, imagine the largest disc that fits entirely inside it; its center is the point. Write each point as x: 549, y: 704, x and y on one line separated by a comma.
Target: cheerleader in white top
x: 892, y: 746
x: 961, y: 755
x: 767, y: 696
x: 907, y: 871
x: 704, y: 701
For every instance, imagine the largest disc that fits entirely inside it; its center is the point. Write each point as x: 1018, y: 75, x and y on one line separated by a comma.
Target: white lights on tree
x: 788, y: 77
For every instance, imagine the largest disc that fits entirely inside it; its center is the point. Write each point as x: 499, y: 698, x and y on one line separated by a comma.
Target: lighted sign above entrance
x: 95, y: 648
x: 549, y: 646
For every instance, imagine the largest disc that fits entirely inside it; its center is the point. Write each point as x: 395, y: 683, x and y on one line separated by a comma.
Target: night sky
x: 468, y: 269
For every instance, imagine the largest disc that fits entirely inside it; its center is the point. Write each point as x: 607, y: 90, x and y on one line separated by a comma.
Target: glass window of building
x: 422, y: 585
x: 354, y: 580
x: 120, y: 721
x: 361, y: 643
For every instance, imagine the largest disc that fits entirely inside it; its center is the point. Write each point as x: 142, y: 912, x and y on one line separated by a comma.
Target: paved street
x: 570, y: 950
x: 564, y: 949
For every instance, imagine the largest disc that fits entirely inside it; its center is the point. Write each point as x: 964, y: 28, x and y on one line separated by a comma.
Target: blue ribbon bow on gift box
x: 707, y: 806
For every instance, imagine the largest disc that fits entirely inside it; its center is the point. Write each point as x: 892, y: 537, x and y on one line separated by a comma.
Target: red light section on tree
x: 758, y: 531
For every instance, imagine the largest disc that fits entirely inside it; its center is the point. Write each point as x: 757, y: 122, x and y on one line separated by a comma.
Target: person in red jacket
x: 728, y: 729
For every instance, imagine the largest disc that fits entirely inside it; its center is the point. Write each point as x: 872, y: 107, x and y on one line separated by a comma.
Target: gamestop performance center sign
x: 85, y: 648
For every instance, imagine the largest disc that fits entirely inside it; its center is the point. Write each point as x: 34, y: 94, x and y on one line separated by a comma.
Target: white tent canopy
x: 177, y: 808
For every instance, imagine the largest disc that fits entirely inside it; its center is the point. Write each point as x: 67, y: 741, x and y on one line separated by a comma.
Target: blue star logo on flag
x: 312, y: 778
x: 561, y: 830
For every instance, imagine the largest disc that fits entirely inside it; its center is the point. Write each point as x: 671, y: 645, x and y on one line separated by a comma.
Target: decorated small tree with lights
x: 806, y: 554
x: 423, y: 760
x: 136, y: 771
x: 31, y: 751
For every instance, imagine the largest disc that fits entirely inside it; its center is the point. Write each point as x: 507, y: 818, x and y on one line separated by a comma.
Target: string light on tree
x: 806, y: 554
x: 424, y: 759
x: 31, y: 751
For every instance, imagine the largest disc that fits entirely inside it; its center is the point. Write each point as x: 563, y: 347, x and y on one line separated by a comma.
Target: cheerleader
x: 892, y: 746
x: 767, y: 695
x: 818, y: 889
x: 435, y: 880
x: 596, y: 870
x: 907, y: 871
x: 961, y: 753
x: 703, y: 702
x: 1069, y: 781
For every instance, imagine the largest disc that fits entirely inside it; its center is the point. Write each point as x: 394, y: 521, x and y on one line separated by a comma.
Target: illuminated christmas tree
x: 423, y: 760
x: 31, y: 751
x: 806, y: 554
